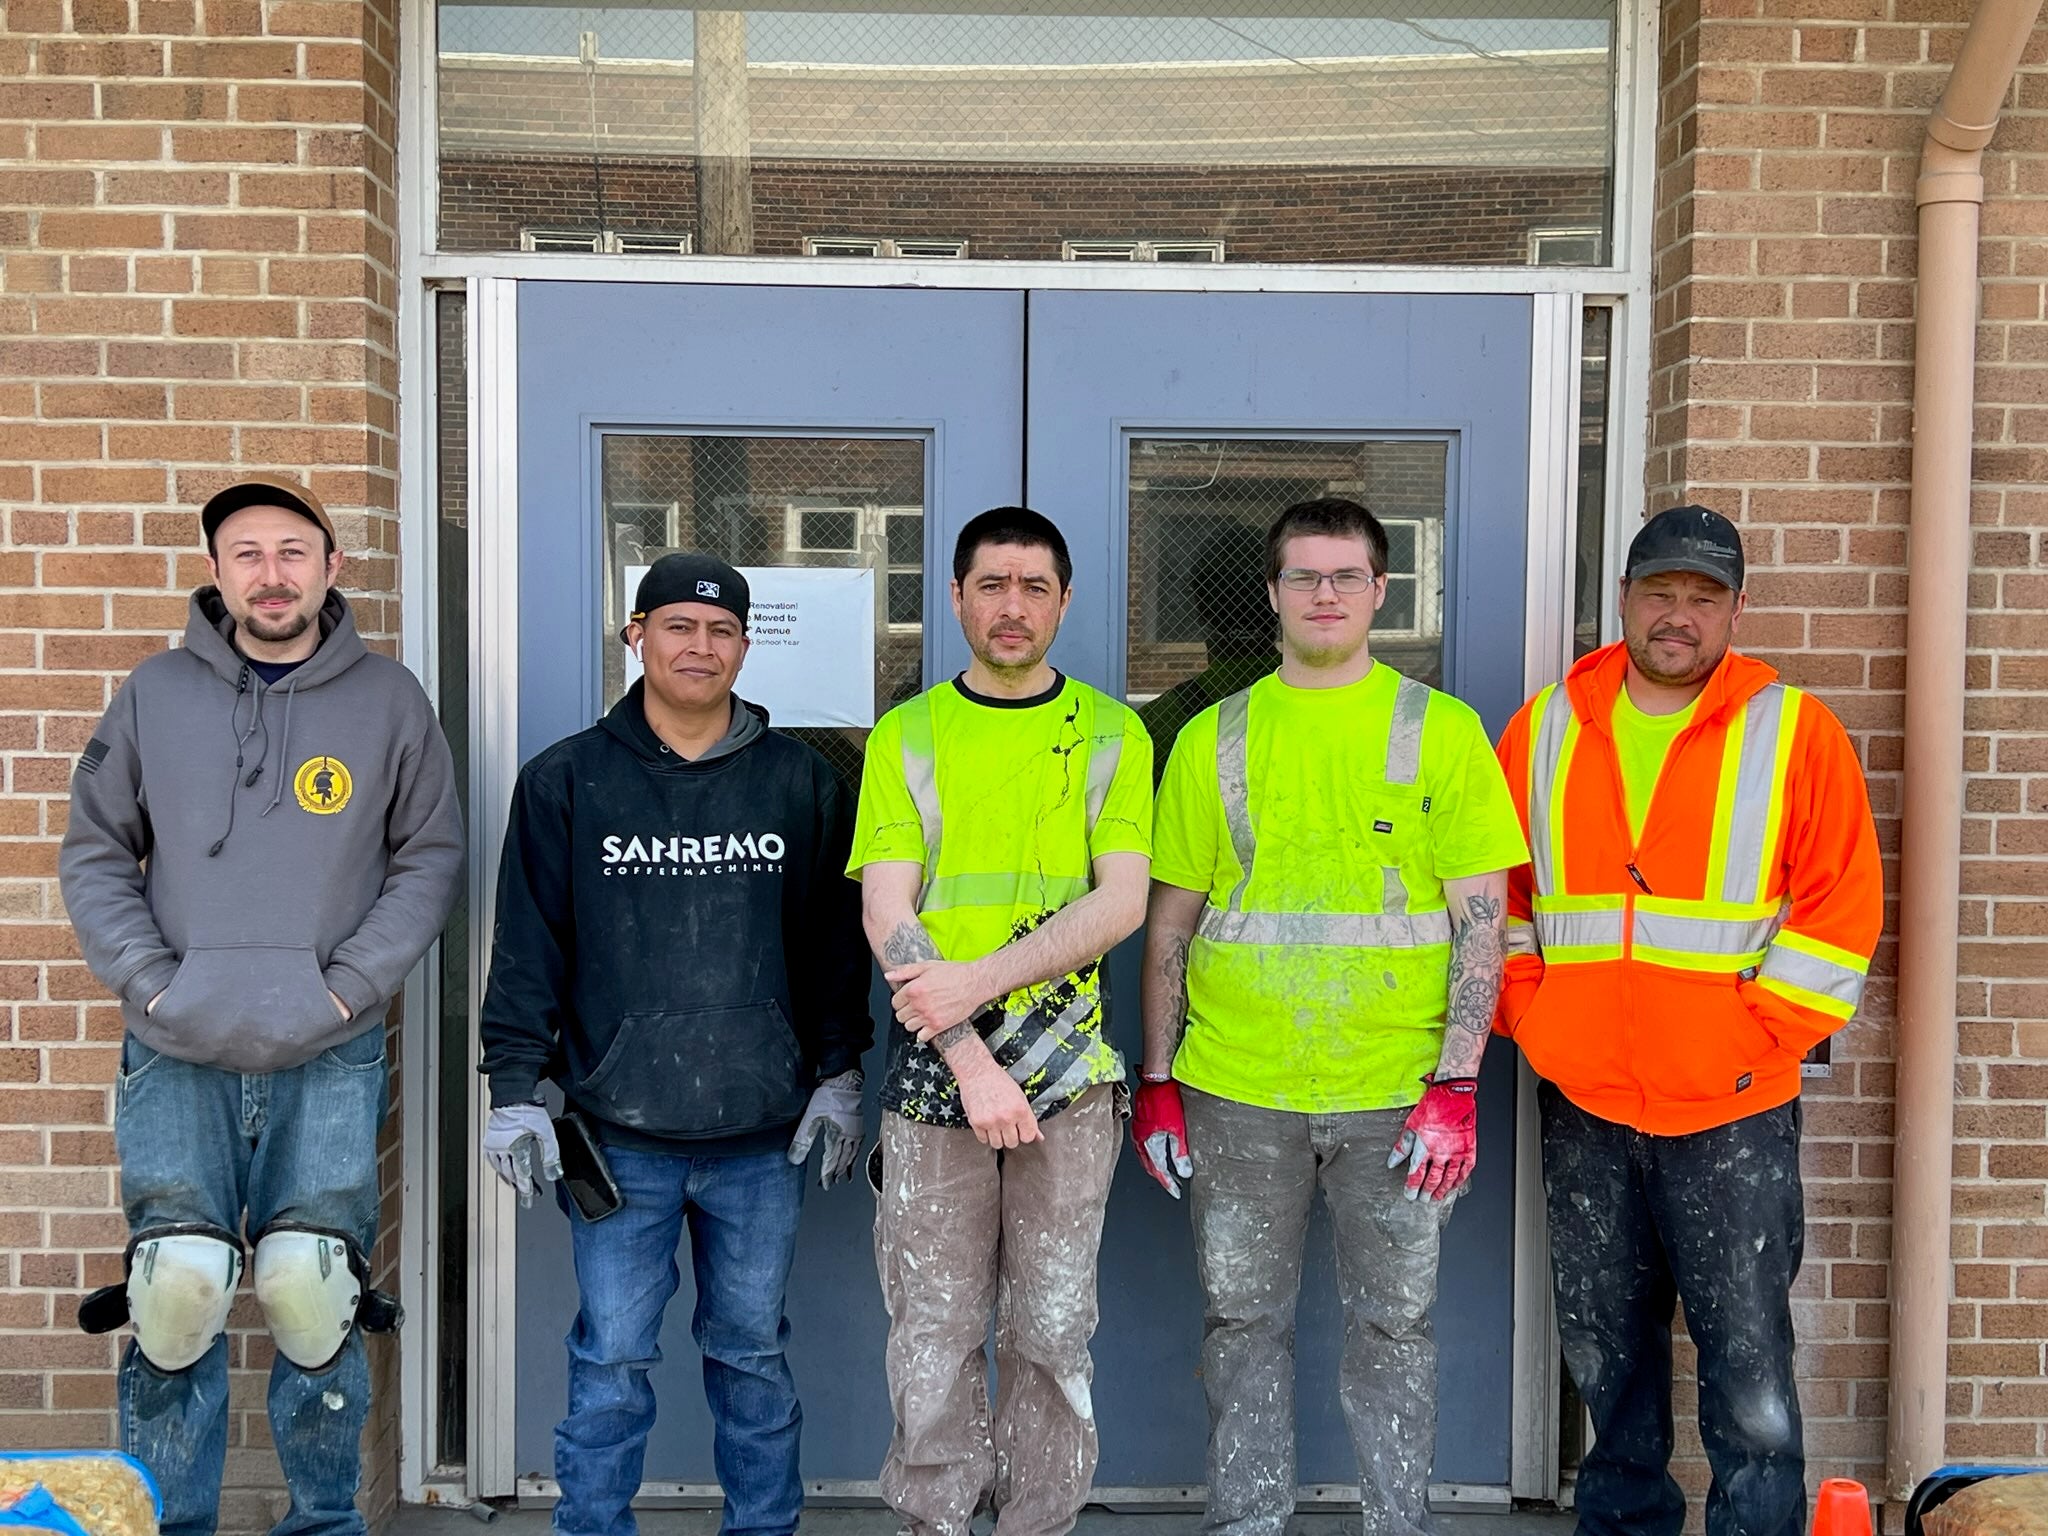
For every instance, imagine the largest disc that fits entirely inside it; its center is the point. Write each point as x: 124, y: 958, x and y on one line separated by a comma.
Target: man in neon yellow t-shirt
x: 1330, y: 861
x: 1002, y: 845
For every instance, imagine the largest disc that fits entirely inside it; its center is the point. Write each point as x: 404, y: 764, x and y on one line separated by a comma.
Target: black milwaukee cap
x: 690, y: 578
x: 1689, y: 538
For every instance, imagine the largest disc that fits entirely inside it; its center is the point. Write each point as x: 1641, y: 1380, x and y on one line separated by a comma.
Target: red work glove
x: 1159, y: 1130
x: 1441, y: 1142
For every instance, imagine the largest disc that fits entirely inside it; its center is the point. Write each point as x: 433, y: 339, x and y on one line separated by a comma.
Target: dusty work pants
x: 1716, y: 1219
x: 961, y: 1231
x: 1256, y: 1172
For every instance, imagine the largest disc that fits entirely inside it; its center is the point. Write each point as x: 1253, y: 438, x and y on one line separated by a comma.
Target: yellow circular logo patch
x: 322, y: 785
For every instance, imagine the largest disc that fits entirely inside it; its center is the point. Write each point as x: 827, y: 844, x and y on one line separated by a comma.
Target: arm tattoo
x: 1173, y: 979
x: 909, y: 944
x: 1478, y: 951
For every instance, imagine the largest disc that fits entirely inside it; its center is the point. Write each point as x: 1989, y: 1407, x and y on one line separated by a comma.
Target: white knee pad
x: 180, y: 1286
x: 310, y: 1286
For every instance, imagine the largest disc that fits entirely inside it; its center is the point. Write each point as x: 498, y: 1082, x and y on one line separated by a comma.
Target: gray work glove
x: 520, y: 1146
x: 834, y: 1113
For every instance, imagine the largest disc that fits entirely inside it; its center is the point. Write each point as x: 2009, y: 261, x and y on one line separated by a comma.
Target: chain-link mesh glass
x: 450, y: 1206
x: 775, y: 501
x: 1200, y: 624
x: 1589, y: 583
x: 1289, y: 130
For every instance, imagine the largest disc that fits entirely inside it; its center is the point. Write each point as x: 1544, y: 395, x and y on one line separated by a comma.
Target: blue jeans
x: 742, y: 1215
x: 198, y: 1144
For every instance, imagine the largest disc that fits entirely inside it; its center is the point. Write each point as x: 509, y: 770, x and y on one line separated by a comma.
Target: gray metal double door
x: 1070, y: 401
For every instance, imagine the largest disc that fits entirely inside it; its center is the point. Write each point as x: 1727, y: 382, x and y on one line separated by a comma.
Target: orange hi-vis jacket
x: 1674, y: 984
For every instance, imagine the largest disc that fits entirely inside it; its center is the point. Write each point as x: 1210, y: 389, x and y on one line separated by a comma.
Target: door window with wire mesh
x: 832, y: 502
x: 1479, y: 132
x: 1200, y: 625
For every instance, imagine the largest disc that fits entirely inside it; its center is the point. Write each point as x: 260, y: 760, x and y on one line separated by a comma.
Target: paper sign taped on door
x: 812, y: 662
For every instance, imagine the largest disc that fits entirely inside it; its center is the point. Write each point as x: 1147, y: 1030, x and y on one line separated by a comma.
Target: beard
x: 1313, y: 652
x: 277, y: 631
x: 1705, y: 659
x: 984, y: 652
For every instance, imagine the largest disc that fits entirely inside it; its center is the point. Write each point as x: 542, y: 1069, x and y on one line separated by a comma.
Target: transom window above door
x: 1288, y: 131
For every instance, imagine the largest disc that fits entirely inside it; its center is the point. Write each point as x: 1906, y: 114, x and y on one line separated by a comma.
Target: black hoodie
x: 676, y: 943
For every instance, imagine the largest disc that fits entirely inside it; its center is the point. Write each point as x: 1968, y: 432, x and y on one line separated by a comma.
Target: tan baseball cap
x: 261, y: 491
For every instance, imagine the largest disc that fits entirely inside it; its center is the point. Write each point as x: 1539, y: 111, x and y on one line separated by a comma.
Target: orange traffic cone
x: 1841, y: 1509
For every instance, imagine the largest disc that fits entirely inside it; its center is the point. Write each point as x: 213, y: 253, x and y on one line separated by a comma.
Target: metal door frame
x: 1626, y: 286
x: 493, y: 655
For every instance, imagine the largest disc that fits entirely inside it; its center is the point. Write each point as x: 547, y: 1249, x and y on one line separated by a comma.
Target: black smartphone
x: 585, y: 1174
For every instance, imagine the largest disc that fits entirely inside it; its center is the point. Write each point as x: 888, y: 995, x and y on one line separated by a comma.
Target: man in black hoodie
x: 676, y: 949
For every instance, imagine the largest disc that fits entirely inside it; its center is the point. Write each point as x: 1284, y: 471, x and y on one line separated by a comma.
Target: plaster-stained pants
x: 961, y: 1230
x: 1256, y: 1172
x: 1716, y: 1219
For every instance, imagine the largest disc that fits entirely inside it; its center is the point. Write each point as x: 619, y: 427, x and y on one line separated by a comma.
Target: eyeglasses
x: 1350, y: 581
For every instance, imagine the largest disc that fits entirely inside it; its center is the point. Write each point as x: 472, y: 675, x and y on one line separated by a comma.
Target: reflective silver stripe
x: 1393, y: 893
x: 1105, y: 751
x: 1704, y: 935
x: 1349, y: 930
x: 1549, y: 747
x: 1812, y: 974
x: 921, y: 776
x: 1749, y: 815
x: 1404, y: 739
x: 1522, y: 938
x: 1581, y: 930
x: 1233, y: 718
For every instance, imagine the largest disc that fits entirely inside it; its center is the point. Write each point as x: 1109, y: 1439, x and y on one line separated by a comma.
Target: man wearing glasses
x: 1322, y: 959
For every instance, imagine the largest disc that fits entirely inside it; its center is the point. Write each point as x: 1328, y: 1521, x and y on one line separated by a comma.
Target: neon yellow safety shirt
x: 1642, y: 742
x: 1006, y: 803
x: 1318, y: 979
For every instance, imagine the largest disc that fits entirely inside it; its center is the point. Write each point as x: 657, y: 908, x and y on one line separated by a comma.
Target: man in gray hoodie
x: 264, y: 838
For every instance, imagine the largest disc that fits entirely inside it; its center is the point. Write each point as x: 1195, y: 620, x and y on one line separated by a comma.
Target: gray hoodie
x: 246, y: 850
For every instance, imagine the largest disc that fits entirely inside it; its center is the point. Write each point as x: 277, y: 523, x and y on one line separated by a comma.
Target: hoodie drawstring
x: 284, y: 748
x: 241, y: 743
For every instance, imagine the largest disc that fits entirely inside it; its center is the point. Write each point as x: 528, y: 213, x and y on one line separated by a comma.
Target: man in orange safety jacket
x: 1700, y: 908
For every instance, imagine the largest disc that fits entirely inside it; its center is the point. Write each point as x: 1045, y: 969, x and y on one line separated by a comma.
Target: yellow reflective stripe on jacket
x: 1724, y: 933
x: 1814, y: 974
x: 1000, y: 888
x: 1394, y: 926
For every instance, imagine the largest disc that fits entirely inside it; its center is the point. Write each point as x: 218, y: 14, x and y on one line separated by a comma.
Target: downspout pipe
x: 1950, y: 194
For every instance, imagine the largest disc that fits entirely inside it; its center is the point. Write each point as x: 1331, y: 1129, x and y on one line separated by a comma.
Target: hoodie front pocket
x: 700, y: 1072
x: 232, y: 1003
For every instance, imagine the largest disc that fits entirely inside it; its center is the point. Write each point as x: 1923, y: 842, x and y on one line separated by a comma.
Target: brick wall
x: 1023, y: 212
x: 1783, y: 383
x: 196, y: 277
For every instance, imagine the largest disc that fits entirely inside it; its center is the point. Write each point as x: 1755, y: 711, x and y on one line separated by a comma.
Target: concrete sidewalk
x: 426, y: 1520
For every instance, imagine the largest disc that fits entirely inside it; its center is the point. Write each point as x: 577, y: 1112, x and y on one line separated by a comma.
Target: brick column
x: 197, y: 217
x: 1781, y: 395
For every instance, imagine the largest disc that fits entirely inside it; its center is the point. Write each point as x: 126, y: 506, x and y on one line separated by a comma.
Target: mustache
x: 1674, y: 634
x: 262, y: 594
